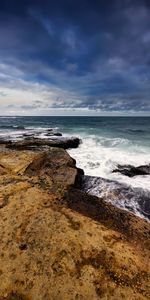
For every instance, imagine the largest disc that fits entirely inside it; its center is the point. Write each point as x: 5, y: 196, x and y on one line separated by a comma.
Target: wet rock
x: 49, y: 129
x: 53, y: 134
x: 134, y: 200
x: 28, y: 143
x: 57, y: 134
x: 131, y: 171
x: 4, y: 141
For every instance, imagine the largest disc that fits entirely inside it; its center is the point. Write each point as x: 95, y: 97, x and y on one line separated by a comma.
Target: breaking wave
x: 99, y: 156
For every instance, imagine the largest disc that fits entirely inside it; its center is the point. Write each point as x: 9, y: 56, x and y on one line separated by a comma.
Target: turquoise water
x: 131, y: 128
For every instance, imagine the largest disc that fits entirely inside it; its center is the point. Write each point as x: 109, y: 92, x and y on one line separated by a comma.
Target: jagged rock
x: 54, y: 163
x: 57, y: 242
x: 132, y: 171
x: 29, y: 143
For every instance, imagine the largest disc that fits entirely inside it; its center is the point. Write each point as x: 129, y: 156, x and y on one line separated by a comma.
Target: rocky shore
x: 56, y: 241
x: 33, y: 142
x: 134, y: 200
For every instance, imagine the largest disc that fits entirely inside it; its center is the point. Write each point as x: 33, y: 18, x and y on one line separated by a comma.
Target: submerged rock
x: 57, y: 242
x: 53, y: 134
x: 132, y: 171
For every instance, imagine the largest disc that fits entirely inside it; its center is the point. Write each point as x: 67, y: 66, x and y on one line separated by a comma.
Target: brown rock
x: 57, y: 242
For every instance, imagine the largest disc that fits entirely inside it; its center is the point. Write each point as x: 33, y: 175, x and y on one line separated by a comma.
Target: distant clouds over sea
x: 74, y: 57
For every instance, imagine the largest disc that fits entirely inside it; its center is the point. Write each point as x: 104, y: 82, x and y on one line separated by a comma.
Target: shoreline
x: 122, y: 195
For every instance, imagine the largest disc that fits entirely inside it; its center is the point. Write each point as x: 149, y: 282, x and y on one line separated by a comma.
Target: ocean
x: 106, y: 143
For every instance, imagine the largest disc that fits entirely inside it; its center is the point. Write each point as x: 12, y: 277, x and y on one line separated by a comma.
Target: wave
x: 112, y: 142
x: 15, y: 127
x: 41, y: 128
x: 99, y: 156
x: 19, y: 132
x: 136, y: 130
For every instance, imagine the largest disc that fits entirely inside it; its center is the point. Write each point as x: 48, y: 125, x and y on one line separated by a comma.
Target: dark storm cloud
x: 96, y: 51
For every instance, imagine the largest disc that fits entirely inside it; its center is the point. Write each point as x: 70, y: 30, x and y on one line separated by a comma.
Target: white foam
x: 40, y: 128
x: 16, y: 134
x: 99, y: 156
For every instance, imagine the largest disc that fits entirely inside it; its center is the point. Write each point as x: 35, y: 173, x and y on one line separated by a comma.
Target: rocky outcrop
x: 135, y: 200
x: 57, y: 242
x: 30, y: 143
x: 132, y: 171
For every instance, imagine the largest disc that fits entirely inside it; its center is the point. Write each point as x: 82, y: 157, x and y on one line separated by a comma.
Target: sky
x: 81, y: 57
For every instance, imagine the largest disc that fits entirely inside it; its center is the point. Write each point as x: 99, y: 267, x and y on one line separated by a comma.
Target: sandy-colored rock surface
x: 58, y: 243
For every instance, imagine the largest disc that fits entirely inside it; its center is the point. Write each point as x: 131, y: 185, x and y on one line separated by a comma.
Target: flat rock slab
x: 57, y: 242
x: 59, y: 142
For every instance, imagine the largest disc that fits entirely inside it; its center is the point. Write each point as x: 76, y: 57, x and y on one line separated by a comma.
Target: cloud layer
x: 84, y: 56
